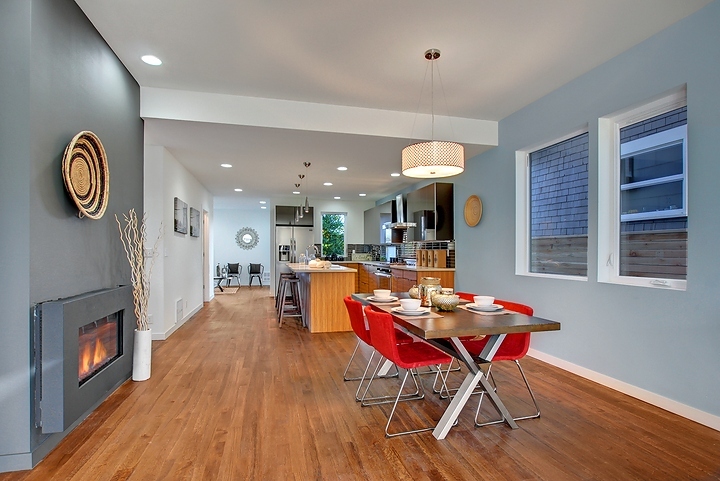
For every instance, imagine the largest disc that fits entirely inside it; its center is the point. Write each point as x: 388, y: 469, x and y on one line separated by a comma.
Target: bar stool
x: 283, y: 275
x: 291, y: 286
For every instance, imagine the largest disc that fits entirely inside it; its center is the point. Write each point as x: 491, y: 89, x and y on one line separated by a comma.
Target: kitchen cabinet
x: 353, y: 265
x: 433, y: 207
x: 285, y: 215
x: 404, y: 279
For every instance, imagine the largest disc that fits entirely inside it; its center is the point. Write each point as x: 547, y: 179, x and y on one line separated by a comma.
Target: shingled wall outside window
x: 559, y: 207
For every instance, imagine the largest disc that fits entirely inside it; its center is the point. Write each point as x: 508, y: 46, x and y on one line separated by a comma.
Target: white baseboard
x: 161, y: 336
x: 667, y: 404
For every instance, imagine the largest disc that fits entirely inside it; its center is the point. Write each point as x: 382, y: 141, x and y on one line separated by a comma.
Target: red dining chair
x: 357, y: 322
x: 513, y: 348
x: 405, y: 356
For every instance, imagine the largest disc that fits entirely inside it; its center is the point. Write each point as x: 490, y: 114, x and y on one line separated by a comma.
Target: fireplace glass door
x: 100, y: 342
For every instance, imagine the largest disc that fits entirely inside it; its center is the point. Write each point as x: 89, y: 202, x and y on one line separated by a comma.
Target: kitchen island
x: 322, y: 292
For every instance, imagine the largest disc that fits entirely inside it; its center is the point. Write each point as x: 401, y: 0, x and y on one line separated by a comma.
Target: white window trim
x: 677, y: 135
x: 609, y: 190
x: 522, y: 209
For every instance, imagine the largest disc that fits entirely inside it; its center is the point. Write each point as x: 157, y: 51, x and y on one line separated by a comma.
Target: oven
x: 384, y: 277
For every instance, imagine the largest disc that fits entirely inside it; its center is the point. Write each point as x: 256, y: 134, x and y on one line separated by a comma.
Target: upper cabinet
x: 374, y: 219
x: 285, y: 215
x: 432, y: 209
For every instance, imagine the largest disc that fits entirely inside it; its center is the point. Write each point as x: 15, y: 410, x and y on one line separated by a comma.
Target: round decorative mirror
x: 247, y: 238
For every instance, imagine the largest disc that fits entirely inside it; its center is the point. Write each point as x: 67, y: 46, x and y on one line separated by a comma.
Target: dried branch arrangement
x: 134, y: 238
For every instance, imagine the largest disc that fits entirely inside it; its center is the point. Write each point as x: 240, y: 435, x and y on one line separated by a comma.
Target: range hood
x: 399, y: 215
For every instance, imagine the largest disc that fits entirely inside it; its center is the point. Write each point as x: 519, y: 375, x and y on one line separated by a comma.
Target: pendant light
x: 307, y: 204
x: 300, y: 209
x: 433, y: 158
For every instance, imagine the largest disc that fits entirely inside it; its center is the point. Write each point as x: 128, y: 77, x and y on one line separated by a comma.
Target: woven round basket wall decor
x: 473, y: 210
x: 86, y: 175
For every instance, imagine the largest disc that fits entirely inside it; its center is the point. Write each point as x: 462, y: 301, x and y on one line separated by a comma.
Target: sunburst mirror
x: 247, y: 238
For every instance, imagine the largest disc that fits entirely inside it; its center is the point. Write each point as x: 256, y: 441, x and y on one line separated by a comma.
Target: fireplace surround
x: 63, y: 394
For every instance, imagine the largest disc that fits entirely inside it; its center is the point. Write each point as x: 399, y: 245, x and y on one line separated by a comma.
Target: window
x: 333, y: 234
x: 642, y: 194
x: 552, y: 208
x: 652, y: 175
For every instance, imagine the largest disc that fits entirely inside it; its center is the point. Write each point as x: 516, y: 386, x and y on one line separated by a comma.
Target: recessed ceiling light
x: 296, y: 193
x: 151, y: 60
x: 263, y: 207
x: 227, y: 166
x: 362, y: 195
x: 328, y: 183
x: 394, y: 174
x: 342, y: 168
x: 263, y: 202
x: 238, y: 190
x: 337, y: 197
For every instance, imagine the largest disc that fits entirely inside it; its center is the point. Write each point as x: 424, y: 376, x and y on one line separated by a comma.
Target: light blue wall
x: 665, y: 342
x: 226, y: 223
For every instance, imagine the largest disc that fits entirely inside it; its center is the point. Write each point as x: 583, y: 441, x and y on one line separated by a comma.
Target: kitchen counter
x: 333, y: 268
x: 322, y: 292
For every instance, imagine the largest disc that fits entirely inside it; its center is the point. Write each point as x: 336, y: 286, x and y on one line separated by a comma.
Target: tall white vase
x: 142, y: 354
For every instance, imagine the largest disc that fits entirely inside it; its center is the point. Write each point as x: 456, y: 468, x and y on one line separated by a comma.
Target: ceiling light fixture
x: 362, y: 195
x: 328, y: 183
x: 394, y: 174
x: 342, y: 168
x: 433, y: 158
x: 263, y: 202
x: 337, y: 197
x: 307, y: 203
x: 227, y: 166
x: 238, y: 190
x: 151, y: 60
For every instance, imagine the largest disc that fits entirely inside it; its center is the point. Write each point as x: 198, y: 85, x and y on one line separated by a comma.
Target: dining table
x: 444, y: 330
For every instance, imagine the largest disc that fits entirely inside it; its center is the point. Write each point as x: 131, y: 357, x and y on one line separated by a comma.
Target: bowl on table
x: 483, y: 301
x: 410, y: 304
x: 381, y: 293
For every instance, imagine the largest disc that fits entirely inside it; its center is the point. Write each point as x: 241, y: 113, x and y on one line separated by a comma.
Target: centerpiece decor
x: 134, y: 238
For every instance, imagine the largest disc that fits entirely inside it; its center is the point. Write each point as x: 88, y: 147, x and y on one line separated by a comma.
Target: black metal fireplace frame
x: 59, y: 398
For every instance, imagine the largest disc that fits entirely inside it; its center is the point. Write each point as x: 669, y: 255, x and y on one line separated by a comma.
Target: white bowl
x: 381, y: 293
x: 484, y: 300
x: 410, y: 304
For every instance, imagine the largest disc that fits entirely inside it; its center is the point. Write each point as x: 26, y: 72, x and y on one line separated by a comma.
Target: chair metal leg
x: 374, y: 400
x: 388, y: 434
x: 532, y: 395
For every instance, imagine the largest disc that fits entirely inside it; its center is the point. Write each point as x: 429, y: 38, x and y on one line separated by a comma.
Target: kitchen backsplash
x: 403, y: 251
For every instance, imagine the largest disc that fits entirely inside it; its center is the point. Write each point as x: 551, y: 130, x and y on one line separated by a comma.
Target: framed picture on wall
x: 181, y: 216
x: 194, y: 222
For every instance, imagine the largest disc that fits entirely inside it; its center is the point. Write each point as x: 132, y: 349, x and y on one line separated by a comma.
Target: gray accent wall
x: 57, y: 77
x: 661, y: 341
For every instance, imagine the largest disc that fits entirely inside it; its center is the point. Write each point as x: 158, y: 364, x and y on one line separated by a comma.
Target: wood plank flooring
x: 233, y: 397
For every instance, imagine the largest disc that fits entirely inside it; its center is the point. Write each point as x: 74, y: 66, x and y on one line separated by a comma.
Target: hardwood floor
x: 233, y: 397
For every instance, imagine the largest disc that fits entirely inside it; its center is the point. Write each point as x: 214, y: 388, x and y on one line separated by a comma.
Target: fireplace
x: 99, y: 343
x: 83, y: 353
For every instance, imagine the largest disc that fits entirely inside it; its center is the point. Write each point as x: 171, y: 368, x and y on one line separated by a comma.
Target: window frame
x: 322, y: 240
x: 609, y: 222
x: 522, y: 209
x: 666, y: 138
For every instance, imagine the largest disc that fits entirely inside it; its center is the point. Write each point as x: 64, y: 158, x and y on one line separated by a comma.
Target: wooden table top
x: 460, y: 323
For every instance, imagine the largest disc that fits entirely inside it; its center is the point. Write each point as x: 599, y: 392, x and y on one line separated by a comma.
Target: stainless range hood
x: 399, y: 215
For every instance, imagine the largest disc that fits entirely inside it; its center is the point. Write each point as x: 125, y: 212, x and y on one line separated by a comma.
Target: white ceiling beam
x: 183, y: 105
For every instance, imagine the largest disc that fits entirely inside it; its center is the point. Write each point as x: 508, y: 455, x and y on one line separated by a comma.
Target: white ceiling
x: 497, y: 56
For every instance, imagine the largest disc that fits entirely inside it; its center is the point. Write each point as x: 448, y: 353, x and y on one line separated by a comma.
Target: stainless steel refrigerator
x: 298, y: 238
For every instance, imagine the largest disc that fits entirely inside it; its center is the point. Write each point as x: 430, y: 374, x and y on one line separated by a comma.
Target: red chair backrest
x: 382, y: 333
x: 515, y: 346
x: 357, y: 320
